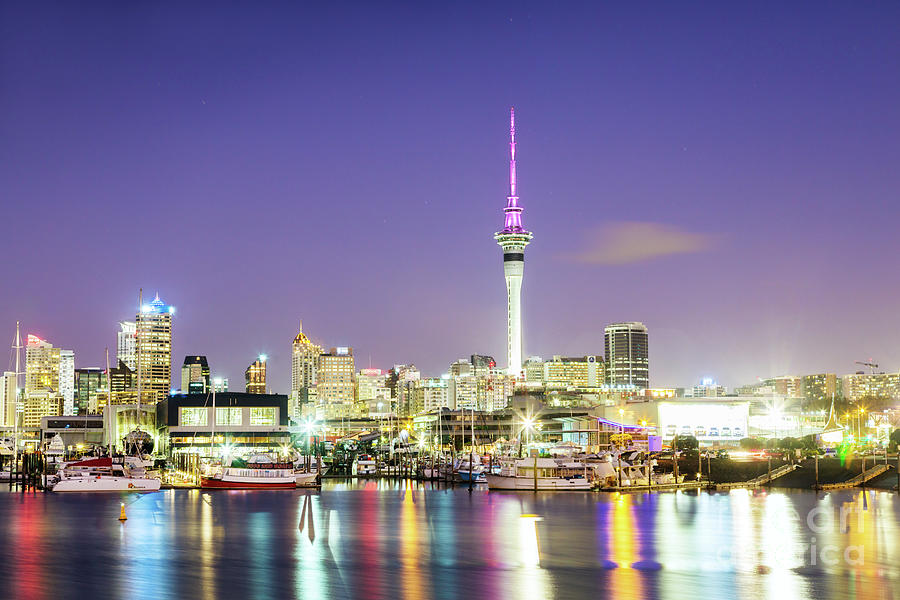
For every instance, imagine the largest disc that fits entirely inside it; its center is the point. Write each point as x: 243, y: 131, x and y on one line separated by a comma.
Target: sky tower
x: 513, y: 238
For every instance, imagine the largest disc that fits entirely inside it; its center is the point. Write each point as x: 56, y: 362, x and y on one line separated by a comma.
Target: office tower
x: 8, y: 399
x: 462, y: 391
x: 568, y: 372
x: 90, y: 390
x: 122, y: 382
x: 334, y: 382
x: 513, y: 238
x: 304, y: 363
x: 407, y: 377
x: 534, y: 372
x: 371, y: 385
x: 627, y: 355
x: 220, y: 384
x: 707, y: 388
x: 153, y: 349
x: 67, y: 380
x: 255, y: 376
x: 126, y: 345
x: 789, y: 386
x: 432, y: 393
x: 42, y: 370
x: 195, y: 375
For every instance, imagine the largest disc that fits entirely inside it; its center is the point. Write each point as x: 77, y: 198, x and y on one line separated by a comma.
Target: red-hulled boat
x: 258, y: 473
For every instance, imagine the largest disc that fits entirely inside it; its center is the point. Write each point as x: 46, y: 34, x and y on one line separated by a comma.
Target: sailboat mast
x: 18, y: 348
x: 137, y: 342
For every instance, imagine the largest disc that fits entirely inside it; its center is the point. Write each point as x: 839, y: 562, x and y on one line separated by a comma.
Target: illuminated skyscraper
x: 304, y: 365
x: 255, y: 376
x: 195, y: 375
x: 125, y: 344
x: 513, y: 238
x: 67, y: 380
x: 8, y: 399
x: 42, y: 393
x: 153, y: 349
x: 627, y: 355
x: 334, y: 385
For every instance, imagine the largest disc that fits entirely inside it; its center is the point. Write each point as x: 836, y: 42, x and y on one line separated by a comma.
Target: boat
x: 258, y: 472
x: 102, y: 475
x: 364, y: 466
x: 519, y: 474
x: 475, y: 472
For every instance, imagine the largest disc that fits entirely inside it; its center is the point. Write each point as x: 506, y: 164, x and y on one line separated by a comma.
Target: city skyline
x: 762, y: 223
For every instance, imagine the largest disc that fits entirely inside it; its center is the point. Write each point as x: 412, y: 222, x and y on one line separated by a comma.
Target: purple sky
x: 729, y: 176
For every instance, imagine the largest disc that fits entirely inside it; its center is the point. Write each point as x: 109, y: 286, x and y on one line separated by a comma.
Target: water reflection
x: 413, y: 541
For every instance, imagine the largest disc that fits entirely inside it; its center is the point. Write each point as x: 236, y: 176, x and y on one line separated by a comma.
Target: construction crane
x: 870, y: 363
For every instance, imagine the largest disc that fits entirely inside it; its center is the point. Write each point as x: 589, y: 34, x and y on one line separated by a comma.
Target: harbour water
x: 409, y: 540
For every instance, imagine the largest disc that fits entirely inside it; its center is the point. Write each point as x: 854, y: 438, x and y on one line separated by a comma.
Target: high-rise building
x: 707, y: 388
x: 255, y: 376
x: 858, y: 386
x: 512, y: 239
x: 42, y: 392
x: 67, y: 380
x: 821, y: 387
x: 432, y: 393
x: 8, y: 399
x: 304, y: 364
x: 788, y: 386
x: 408, y: 377
x: 334, y: 383
x: 195, y: 375
x: 627, y: 355
x: 371, y: 384
x: 534, y: 372
x: 90, y: 390
x: 126, y: 345
x: 462, y: 391
x: 566, y: 372
x: 122, y: 382
x: 41, y: 365
x: 153, y: 349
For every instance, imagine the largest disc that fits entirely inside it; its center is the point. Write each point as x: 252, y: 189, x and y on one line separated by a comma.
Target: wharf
x: 664, y: 487
x: 761, y: 480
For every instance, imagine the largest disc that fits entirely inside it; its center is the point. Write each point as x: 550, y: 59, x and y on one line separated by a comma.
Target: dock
x: 664, y: 487
x: 859, y: 479
x: 761, y: 480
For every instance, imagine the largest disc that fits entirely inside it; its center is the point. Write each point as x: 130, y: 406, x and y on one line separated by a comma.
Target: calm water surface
x: 410, y: 540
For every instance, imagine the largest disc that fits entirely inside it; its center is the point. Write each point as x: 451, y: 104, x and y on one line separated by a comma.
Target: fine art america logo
x: 834, y: 536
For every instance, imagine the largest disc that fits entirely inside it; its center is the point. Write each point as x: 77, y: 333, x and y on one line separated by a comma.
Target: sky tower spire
x: 513, y: 238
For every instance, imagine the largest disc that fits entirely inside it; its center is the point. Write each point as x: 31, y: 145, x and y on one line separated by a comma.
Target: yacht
x: 519, y: 474
x: 102, y: 475
x: 474, y: 472
x: 364, y: 466
x: 259, y: 472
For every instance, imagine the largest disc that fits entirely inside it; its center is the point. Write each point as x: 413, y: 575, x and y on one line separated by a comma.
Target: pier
x: 859, y: 479
x: 761, y: 480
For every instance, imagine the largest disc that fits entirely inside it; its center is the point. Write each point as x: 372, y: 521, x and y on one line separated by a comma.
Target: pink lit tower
x: 513, y: 238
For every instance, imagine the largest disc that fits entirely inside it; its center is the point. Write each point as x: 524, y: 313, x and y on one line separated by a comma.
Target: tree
x: 752, y: 443
x: 687, y: 443
x: 895, y: 438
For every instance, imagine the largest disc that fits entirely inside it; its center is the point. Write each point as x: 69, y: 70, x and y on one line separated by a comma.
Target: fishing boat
x: 102, y: 475
x: 258, y: 472
x: 519, y: 474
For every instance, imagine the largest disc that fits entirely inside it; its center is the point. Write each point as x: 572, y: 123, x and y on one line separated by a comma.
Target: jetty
x: 761, y: 480
x: 859, y: 479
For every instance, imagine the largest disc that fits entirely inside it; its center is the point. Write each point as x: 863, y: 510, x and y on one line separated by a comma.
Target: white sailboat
x: 103, y: 475
x: 552, y: 475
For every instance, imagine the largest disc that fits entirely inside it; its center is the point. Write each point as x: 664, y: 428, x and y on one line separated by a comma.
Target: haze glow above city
x: 725, y: 175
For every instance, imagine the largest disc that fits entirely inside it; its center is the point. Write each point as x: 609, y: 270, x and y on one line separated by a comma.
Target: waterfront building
x: 407, y: 379
x: 126, y: 344
x: 495, y: 390
x: 534, y: 372
x: 334, y: 383
x: 8, y: 399
x: 195, y: 375
x: 67, y: 380
x: 255, y: 376
x: 432, y: 393
x: 39, y: 404
x: 820, y: 387
x: 90, y: 390
x: 564, y: 372
x: 42, y: 392
x: 871, y: 385
x: 627, y: 355
x: 707, y: 388
x: 153, y: 347
x: 372, y: 389
x: 788, y: 386
x: 304, y: 364
x: 245, y: 423
x: 463, y: 392
x: 513, y: 239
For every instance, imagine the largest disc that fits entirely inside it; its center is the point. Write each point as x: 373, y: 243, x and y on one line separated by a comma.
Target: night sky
x: 729, y: 176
